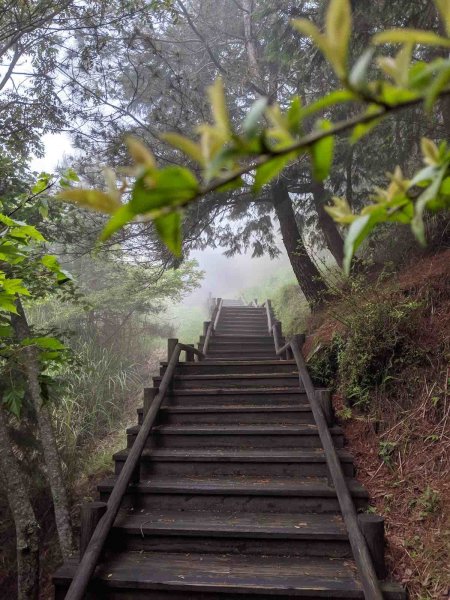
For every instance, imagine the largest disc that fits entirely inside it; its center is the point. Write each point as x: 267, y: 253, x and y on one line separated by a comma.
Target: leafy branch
x: 228, y: 155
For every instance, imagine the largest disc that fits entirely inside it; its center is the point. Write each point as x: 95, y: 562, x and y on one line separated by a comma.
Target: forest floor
x: 401, y: 438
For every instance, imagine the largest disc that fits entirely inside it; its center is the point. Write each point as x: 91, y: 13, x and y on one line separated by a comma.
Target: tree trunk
x: 27, y: 528
x: 46, y: 434
x: 254, y: 71
x: 333, y: 238
x: 308, y: 276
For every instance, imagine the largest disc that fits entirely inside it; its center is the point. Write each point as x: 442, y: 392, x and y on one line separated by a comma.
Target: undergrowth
x: 382, y: 344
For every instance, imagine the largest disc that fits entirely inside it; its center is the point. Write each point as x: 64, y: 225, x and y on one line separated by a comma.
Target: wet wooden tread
x: 237, y: 455
x: 237, y: 429
x: 239, y: 484
x: 230, y: 574
x: 285, y: 526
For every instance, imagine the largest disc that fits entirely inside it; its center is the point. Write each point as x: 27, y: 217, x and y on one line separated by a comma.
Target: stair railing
x: 361, y: 553
x: 210, y: 326
x: 130, y: 470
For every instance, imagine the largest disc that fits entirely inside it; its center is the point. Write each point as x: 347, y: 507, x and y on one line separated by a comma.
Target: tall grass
x: 93, y: 400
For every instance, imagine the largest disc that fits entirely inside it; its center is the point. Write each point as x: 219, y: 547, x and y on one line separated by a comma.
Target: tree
x: 26, y: 525
x: 226, y: 155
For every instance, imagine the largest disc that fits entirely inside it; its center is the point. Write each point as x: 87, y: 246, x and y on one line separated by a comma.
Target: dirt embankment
x: 401, y: 438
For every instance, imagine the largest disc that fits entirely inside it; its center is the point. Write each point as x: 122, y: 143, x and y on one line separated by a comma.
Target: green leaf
x: 338, y: 30
x: 410, y: 36
x: 7, y: 303
x: 26, y: 231
x: 170, y: 186
x: 14, y: 286
x: 169, y: 230
x: 427, y: 196
x: 71, y: 174
x: 13, y: 400
x: 358, y: 74
x: 119, y: 219
x: 268, y: 170
x: 439, y: 83
x: 423, y: 177
x: 219, y: 109
x: 443, y: 7
x: 308, y: 29
x: 357, y: 233
x: 186, y: 146
x: 445, y: 187
x: 294, y: 115
x: 91, y: 199
x: 322, y: 152
x: 253, y: 117
x: 41, y: 183
x: 337, y: 97
x: 6, y: 330
x: 43, y: 209
x: 51, y: 263
x: 47, y: 343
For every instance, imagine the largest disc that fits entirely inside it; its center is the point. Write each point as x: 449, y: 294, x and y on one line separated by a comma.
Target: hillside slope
x: 384, y: 350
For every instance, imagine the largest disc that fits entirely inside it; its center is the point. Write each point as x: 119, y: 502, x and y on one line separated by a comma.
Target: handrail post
x: 149, y: 396
x: 205, y: 327
x: 171, y: 345
x: 323, y: 398
x: 219, y: 308
x: 91, y: 513
x: 269, y: 315
x: 212, y: 324
x: 372, y: 527
x: 190, y: 355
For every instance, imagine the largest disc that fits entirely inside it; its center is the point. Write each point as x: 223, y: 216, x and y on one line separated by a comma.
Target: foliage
x: 90, y: 402
x: 378, y: 342
x: 16, y: 246
x: 224, y: 153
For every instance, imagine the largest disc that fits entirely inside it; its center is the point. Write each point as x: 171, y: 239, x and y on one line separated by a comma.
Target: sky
x: 224, y: 277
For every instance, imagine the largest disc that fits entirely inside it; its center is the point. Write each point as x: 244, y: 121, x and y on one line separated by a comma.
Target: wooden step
x: 226, y: 337
x: 293, y: 534
x: 231, y: 396
x: 303, y: 462
x: 242, y: 436
x: 211, y: 576
x: 241, y: 330
x: 230, y: 344
x: 242, y: 356
x: 217, y: 367
x: 221, y: 366
x: 239, y: 414
x: 233, y: 380
x: 233, y: 353
x: 231, y: 494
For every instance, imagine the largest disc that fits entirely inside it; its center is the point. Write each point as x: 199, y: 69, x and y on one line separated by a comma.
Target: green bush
x: 378, y: 342
x: 291, y: 308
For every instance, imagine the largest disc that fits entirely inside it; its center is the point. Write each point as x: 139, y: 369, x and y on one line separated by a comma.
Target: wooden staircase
x: 233, y: 498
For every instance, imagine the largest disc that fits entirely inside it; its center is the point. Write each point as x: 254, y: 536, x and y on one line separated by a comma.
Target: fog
x: 227, y: 277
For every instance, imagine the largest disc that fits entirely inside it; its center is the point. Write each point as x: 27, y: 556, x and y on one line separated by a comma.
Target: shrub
x: 377, y: 343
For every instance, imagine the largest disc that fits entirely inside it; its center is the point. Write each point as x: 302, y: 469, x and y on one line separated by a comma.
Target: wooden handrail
x: 91, y: 556
x: 212, y: 324
x: 363, y: 559
x: 268, y: 306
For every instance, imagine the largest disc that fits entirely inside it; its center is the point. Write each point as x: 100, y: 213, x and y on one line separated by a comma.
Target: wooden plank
x: 290, y: 526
